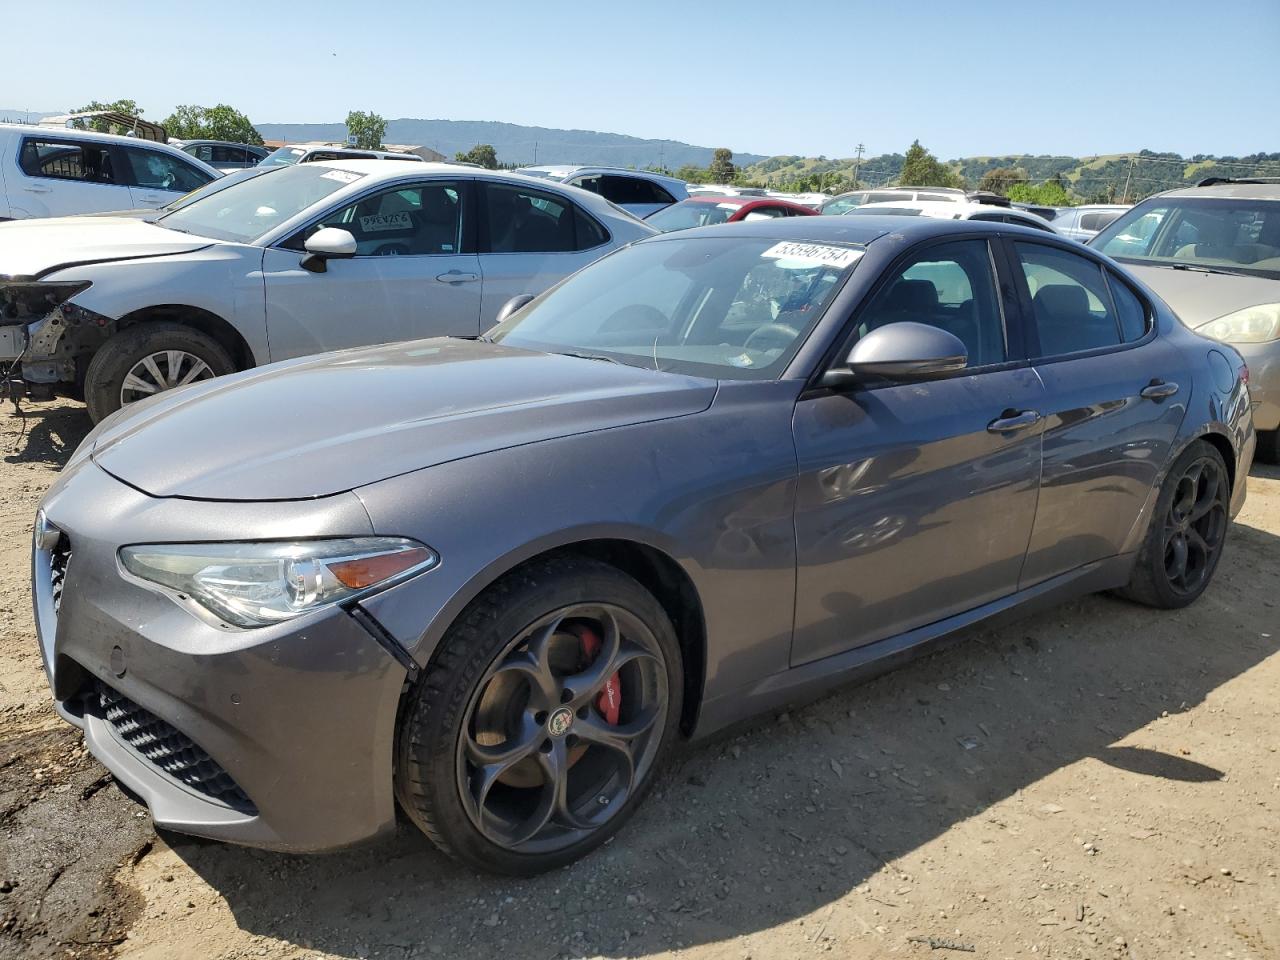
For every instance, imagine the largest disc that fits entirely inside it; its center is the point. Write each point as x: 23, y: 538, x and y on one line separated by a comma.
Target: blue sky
x: 812, y: 77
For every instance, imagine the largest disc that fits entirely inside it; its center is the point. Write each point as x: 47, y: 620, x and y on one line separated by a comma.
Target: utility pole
x: 857, y: 162
x: 535, y: 153
x: 1128, y: 174
x: 662, y: 157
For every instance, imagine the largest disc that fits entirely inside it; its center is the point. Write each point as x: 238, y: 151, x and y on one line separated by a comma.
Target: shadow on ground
x: 45, y: 434
x: 758, y: 829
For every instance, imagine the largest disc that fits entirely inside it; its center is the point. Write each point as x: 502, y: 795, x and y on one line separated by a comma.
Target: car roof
x: 860, y: 230
x: 31, y: 129
x: 1231, y: 191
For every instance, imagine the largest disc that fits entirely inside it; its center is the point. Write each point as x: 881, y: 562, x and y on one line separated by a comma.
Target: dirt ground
x: 1100, y: 780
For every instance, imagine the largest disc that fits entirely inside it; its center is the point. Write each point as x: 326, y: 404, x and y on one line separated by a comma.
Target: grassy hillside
x: 1086, y: 178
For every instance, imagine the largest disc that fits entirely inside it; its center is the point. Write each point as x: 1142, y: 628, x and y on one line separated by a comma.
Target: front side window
x: 160, y: 171
x: 1237, y: 235
x: 950, y: 286
x: 730, y: 308
x: 623, y: 190
x: 518, y: 220
x: 420, y: 220
x: 67, y: 160
x: 257, y: 205
x: 1070, y: 304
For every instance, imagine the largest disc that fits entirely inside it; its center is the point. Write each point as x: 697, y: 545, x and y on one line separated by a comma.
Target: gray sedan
x: 493, y: 581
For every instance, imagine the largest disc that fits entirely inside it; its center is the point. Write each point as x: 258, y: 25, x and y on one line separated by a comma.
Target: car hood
x: 1198, y: 297
x: 330, y: 423
x: 32, y: 248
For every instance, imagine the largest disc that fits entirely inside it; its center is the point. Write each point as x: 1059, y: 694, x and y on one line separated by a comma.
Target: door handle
x: 36, y: 189
x: 457, y: 276
x: 1158, y: 390
x: 1013, y: 420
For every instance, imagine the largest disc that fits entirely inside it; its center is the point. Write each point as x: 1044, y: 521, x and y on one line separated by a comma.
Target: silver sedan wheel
x: 162, y: 371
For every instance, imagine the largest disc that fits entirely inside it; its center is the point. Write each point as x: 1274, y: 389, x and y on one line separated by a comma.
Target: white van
x: 57, y: 172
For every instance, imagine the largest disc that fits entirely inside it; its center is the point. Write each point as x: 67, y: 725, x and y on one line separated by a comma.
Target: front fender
x: 222, y: 279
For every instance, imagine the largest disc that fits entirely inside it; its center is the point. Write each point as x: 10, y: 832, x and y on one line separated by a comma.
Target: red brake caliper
x: 609, y: 703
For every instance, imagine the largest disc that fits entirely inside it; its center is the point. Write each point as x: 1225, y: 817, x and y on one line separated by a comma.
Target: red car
x: 704, y: 211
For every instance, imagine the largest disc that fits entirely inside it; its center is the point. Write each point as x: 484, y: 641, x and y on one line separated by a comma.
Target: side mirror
x: 328, y: 243
x: 901, y: 351
x: 512, y: 305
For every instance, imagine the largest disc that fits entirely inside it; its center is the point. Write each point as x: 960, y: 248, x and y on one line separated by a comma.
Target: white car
x: 57, y: 172
x: 638, y: 192
x: 845, y: 202
x: 946, y: 210
x: 294, y: 261
x: 1085, y: 222
x: 312, y: 153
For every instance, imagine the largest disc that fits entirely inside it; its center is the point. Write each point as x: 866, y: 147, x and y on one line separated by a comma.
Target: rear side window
x: 1132, y: 314
x: 1097, y: 221
x: 68, y: 160
x: 518, y: 220
x: 1070, y: 303
x: 162, y: 171
x: 620, y: 190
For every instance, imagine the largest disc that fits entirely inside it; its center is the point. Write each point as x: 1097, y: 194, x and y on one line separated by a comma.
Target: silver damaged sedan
x: 493, y: 581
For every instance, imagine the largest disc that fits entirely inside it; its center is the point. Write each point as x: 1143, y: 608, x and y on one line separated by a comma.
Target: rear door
x: 415, y: 273
x: 916, y: 500
x: 529, y: 240
x: 1095, y: 349
x: 62, y: 175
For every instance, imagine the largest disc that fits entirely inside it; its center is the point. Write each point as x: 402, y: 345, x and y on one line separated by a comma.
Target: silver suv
x: 1213, y: 253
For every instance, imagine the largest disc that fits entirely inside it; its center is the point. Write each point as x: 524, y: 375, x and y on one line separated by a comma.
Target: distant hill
x: 1086, y: 178
x: 517, y: 144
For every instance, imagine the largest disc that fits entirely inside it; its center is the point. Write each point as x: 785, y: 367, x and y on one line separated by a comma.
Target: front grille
x: 170, y: 750
x: 59, y: 558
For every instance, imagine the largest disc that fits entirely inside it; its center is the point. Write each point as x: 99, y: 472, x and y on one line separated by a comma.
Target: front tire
x: 1188, y: 530
x: 541, y: 721
x: 148, y: 359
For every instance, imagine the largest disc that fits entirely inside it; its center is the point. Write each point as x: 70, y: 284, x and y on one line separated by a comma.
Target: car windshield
x: 284, y: 156
x: 1214, y: 233
x: 691, y: 213
x: 246, y: 210
x: 731, y: 308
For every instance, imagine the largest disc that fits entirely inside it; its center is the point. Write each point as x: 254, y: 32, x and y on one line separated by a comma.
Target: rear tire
x: 1268, y: 449
x: 1187, y: 533
x: 472, y: 797
x: 177, y: 352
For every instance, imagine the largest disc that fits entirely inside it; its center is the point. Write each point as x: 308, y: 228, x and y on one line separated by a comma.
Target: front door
x: 410, y: 277
x: 916, y: 501
x: 1117, y: 396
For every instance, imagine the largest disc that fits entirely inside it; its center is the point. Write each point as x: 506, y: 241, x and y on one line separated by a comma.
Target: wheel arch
x: 652, y: 567
x: 197, y: 318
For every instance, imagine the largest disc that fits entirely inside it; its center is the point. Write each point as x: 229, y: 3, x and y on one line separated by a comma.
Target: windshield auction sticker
x: 342, y: 176
x: 813, y: 254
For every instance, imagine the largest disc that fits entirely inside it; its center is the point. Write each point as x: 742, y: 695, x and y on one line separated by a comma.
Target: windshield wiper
x: 1200, y: 268
x: 586, y: 356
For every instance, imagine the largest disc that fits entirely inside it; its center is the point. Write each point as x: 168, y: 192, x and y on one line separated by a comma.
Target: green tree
x: 922, y: 169
x: 722, y: 169
x: 193, y: 122
x: 1048, y: 194
x: 481, y: 153
x: 691, y: 174
x: 129, y: 107
x: 367, y: 128
x: 1000, y: 179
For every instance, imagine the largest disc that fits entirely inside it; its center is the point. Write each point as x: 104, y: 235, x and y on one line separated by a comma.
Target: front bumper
x: 1263, y: 360
x: 298, y: 717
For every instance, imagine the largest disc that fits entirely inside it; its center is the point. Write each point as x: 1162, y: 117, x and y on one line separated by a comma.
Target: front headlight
x: 255, y: 584
x: 1250, y: 325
